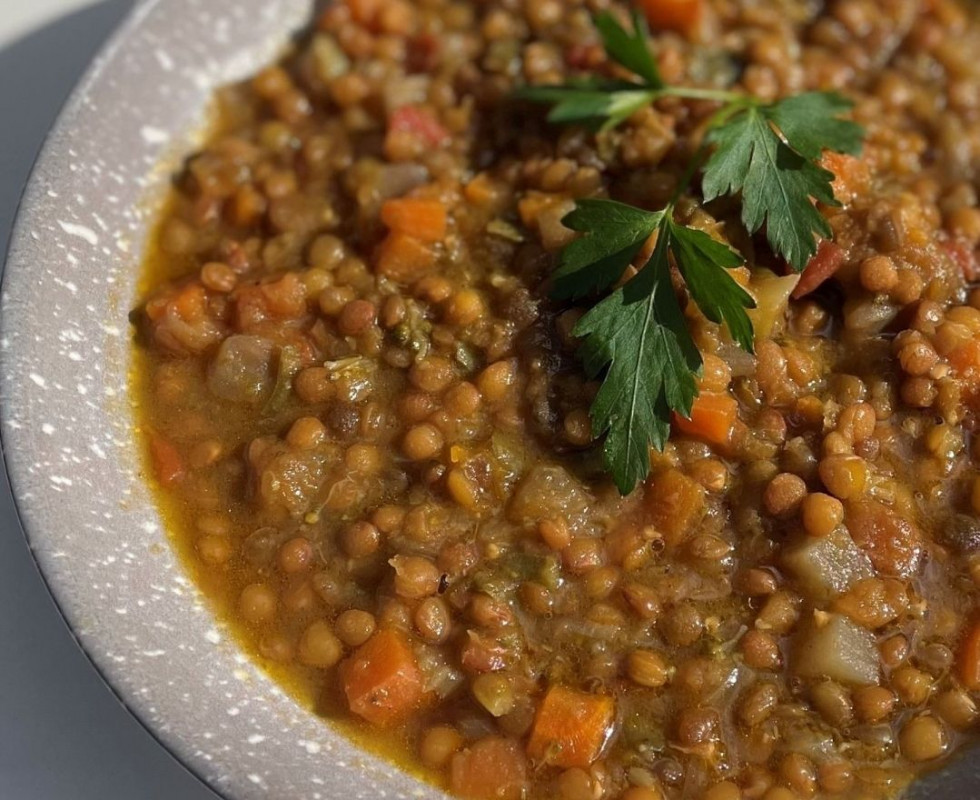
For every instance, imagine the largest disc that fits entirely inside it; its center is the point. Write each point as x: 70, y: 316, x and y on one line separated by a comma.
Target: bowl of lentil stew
x: 368, y: 436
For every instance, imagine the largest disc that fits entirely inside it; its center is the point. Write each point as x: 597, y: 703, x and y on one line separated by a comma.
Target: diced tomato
x: 419, y: 122
x: 168, y: 466
x: 824, y: 263
x: 964, y: 257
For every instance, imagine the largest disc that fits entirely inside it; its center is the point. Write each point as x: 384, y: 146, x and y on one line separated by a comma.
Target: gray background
x: 63, y: 734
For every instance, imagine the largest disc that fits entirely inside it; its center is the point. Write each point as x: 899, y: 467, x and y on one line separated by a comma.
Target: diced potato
x: 826, y: 566
x: 771, y: 293
x: 834, y: 647
x: 242, y: 370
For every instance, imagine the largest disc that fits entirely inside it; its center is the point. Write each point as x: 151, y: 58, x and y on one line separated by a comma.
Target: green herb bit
x: 769, y: 153
x: 638, y: 335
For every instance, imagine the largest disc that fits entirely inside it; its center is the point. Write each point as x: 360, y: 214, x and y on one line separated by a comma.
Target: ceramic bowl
x: 67, y: 424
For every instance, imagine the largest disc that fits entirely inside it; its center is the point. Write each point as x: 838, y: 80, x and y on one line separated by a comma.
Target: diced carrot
x: 713, y: 418
x: 492, y: 768
x: 404, y: 258
x: 382, y: 680
x: 571, y: 728
x: 969, y: 658
x: 682, y: 16
x: 416, y: 216
x: 821, y: 266
x: 420, y: 123
x: 674, y: 503
x: 168, y: 466
x: 893, y: 543
x: 852, y: 175
x: 965, y: 359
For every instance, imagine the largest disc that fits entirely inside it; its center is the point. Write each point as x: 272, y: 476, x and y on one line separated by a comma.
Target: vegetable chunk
x: 571, y: 727
x: 674, y: 504
x: 893, y: 543
x: 828, y: 565
x: 491, y: 769
x: 382, y: 680
x: 416, y: 216
x: 713, y: 418
x: 838, y: 649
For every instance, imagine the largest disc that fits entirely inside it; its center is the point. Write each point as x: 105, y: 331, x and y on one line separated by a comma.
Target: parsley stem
x: 694, y: 93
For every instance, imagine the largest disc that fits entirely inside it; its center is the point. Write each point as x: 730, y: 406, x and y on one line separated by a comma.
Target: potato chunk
x: 826, y: 566
x: 834, y: 647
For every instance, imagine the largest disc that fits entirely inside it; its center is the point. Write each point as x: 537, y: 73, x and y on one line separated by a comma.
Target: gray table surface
x: 63, y: 734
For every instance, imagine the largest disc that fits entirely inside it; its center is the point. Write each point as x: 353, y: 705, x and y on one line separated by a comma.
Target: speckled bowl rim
x: 66, y: 418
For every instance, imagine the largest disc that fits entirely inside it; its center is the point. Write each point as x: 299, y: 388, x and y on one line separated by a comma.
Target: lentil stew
x: 370, y: 434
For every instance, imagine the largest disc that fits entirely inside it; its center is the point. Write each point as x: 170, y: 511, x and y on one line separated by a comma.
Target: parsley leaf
x: 601, y: 105
x: 703, y: 261
x: 637, y: 338
x: 614, y: 234
x: 629, y: 50
x: 775, y: 174
x: 598, y: 106
x: 811, y: 123
x: 638, y: 334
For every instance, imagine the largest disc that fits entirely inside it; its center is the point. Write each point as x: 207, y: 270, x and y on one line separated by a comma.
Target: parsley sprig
x: 636, y: 337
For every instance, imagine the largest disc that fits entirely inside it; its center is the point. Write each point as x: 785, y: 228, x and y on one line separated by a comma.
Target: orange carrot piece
x: 481, y: 191
x: 821, y: 266
x: 168, y: 466
x: 969, y: 658
x: 571, y: 727
x: 674, y: 503
x: 965, y: 359
x: 713, y: 418
x: 416, y: 216
x: 492, y: 768
x: 682, y: 16
x: 893, y: 543
x: 852, y: 175
x: 404, y: 258
x: 381, y: 679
